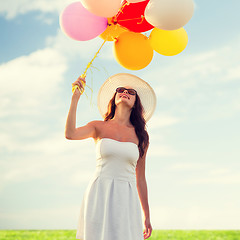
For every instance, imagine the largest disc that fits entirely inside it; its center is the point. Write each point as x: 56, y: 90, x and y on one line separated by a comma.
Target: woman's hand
x: 148, y: 228
x: 76, y: 95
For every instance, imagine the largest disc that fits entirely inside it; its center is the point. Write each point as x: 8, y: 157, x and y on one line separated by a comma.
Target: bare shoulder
x: 98, y: 126
x: 96, y: 123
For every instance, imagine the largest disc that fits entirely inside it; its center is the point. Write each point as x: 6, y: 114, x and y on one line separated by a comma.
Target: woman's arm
x: 71, y: 132
x: 143, y: 194
x: 71, y: 118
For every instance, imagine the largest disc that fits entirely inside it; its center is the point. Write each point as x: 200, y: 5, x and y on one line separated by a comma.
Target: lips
x: 124, y: 95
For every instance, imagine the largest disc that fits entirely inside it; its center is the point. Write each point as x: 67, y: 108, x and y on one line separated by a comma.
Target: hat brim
x: 144, y: 91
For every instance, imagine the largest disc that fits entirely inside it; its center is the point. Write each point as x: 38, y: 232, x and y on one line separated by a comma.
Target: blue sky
x: 193, y: 168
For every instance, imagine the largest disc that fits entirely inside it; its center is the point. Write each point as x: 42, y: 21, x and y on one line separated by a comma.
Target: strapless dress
x: 110, y: 208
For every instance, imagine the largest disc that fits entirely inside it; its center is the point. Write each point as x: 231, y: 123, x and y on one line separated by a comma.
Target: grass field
x: 156, y: 235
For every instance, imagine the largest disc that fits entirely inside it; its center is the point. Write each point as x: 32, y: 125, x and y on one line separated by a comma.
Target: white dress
x: 111, y: 207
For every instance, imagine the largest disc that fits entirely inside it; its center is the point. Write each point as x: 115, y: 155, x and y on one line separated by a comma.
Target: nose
x: 125, y: 91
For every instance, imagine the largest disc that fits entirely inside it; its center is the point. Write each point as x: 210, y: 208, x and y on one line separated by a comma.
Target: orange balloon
x: 133, y: 50
x: 112, y: 32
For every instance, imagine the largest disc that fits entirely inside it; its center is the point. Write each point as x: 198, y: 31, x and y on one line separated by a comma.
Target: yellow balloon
x: 133, y: 50
x: 168, y: 43
x: 112, y: 32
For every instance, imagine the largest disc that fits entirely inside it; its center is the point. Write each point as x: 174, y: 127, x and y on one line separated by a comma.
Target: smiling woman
x: 111, y: 204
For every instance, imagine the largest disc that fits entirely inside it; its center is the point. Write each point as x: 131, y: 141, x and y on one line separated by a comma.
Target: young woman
x: 111, y: 207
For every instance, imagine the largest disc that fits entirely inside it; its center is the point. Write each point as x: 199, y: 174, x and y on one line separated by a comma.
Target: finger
x: 81, y: 79
x: 75, y: 88
x: 79, y: 86
x: 75, y: 83
x: 81, y: 82
x: 147, y: 234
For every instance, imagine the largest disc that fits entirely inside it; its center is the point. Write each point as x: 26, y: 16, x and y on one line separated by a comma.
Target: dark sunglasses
x: 130, y: 91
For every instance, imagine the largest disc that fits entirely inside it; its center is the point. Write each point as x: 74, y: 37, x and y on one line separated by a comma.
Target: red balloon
x: 131, y: 16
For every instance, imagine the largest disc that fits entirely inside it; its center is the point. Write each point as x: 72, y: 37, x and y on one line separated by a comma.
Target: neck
x: 122, y: 115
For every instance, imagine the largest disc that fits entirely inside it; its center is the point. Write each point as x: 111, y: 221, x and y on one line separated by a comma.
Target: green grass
x: 195, y: 235
x: 156, y: 235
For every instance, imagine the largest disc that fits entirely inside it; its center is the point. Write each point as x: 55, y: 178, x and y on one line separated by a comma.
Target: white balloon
x: 135, y: 1
x: 103, y: 8
x: 169, y: 14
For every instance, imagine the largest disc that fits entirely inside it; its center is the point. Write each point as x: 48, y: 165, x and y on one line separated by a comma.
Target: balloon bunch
x: 124, y: 23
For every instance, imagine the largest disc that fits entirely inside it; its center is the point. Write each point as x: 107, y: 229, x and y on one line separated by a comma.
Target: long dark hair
x: 137, y: 120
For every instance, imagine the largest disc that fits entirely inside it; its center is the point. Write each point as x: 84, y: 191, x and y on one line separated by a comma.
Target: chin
x: 123, y: 101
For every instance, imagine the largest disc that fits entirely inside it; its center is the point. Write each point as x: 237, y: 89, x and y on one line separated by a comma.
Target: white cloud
x: 11, y: 8
x: 188, y: 166
x: 206, y: 173
x: 33, y: 116
x: 202, y: 84
x: 47, y: 157
x: 32, y: 97
x: 233, y: 178
x: 42, y: 218
x: 194, y: 217
x: 80, y: 49
x: 160, y: 150
x: 157, y: 147
x: 220, y: 171
x: 162, y: 120
x: 28, y: 82
x: 45, y: 18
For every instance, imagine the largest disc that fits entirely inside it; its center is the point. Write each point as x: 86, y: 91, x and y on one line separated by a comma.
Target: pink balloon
x: 79, y: 24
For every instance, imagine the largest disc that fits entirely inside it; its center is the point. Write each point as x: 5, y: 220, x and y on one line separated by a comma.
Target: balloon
x: 79, y: 24
x: 103, y: 8
x: 132, y: 17
x: 168, y: 43
x: 113, y: 31
x: 135, y: 1
x: 133, y: 50
x: 169, y: 14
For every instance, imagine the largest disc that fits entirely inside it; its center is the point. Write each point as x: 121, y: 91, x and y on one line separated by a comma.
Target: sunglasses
x: 130, y: 91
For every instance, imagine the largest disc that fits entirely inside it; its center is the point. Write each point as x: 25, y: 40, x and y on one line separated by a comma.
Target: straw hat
x: 144, y: 91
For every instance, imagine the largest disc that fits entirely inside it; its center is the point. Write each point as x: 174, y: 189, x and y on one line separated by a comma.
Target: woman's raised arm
x: 71, y: 132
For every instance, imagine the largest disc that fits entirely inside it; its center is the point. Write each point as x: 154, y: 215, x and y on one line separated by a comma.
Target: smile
x: 124, y: 96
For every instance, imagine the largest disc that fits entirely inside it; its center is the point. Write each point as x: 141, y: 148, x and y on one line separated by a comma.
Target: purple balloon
x: 79, y: 24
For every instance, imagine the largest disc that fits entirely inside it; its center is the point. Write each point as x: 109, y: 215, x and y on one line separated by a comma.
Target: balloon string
x: 109, y: 35
x: 85, y: 73
x: 142, y: 18
x: 90, y: 63
x: 120, y: 11
x: 115, y: 20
